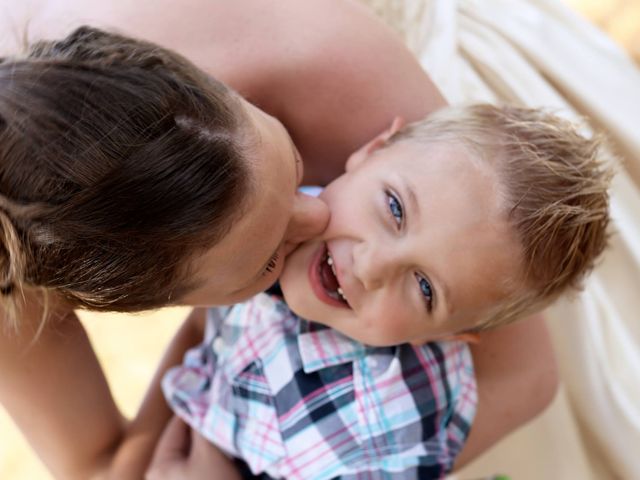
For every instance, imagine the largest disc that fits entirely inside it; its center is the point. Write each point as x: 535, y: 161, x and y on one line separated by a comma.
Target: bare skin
x: 304, y: 75
x: 295, y: 60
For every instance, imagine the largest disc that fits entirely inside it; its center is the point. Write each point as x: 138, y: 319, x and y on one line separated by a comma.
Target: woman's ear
x: 371, y: 146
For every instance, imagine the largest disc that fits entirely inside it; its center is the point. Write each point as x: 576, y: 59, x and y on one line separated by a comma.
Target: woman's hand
x: 182, y: 453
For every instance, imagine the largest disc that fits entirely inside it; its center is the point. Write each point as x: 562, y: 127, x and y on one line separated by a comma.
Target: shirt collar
x: 322, y: 347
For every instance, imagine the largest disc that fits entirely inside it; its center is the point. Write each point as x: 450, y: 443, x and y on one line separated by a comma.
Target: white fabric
x: 539, y: 53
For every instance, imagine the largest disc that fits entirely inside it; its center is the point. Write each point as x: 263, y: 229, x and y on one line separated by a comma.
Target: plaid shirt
x: 298, y: 400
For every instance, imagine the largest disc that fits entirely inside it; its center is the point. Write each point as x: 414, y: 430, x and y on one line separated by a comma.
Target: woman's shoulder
x: 328, y: 69
x: 262, y: 44
x: 225, y: 38
x: 333, y: 73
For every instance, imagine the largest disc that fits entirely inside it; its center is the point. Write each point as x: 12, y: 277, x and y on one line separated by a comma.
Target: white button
x: 373, y: 363
x: 218, y: 345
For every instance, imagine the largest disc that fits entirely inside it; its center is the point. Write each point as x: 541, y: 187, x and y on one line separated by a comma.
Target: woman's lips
x: 318, y: 263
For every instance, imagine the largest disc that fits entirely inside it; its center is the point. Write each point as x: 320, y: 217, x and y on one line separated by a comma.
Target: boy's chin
x: 295, y: 300
x: 291, y: 297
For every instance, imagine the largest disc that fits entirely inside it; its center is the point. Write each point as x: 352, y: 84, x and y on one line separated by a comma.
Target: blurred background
x: 130, y: 346
x: 619, y: 18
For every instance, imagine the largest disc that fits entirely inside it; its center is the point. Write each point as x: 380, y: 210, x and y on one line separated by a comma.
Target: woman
x: 343, y: 109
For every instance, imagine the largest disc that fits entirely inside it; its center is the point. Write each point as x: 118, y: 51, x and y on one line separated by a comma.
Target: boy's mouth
x: 325, y: 280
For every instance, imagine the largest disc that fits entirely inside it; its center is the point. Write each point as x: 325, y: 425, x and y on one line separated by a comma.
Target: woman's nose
x: 309, y: 218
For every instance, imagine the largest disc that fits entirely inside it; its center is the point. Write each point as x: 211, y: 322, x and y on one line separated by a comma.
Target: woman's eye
x: 395, y: 207
x: 425, y: 290
x: 273, y: 263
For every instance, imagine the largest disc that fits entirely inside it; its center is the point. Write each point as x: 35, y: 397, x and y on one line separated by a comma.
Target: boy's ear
x: 371, y: 146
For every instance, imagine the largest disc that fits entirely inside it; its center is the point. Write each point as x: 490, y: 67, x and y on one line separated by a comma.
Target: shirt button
x: 218, y: 345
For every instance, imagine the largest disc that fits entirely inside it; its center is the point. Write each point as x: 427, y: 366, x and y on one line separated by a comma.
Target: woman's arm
x: 517, y: 379
x: 54, y: 389
x: 136, y: 449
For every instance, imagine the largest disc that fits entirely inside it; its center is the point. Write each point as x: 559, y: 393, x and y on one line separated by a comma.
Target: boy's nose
x: 372, y: 266
x: 309, y: 218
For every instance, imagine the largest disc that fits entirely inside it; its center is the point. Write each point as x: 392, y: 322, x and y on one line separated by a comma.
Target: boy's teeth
x: 341, y: 294
x: 333, y: 269
x: 330, y: 263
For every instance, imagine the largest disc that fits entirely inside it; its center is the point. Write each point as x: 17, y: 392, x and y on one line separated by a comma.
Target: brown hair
x: 554, y: 190
x: 118, y: 161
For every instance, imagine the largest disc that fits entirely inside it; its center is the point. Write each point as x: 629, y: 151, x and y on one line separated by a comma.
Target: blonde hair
x: 553, y: 183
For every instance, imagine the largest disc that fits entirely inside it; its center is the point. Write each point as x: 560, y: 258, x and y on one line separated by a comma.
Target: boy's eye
x: 425, y: 290
x: 395, y: 207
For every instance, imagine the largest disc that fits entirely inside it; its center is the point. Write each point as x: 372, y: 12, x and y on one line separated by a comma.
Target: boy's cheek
x: 386, y: 326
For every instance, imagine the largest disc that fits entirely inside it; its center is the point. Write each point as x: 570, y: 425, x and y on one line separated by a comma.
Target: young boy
x: 465, y: 221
